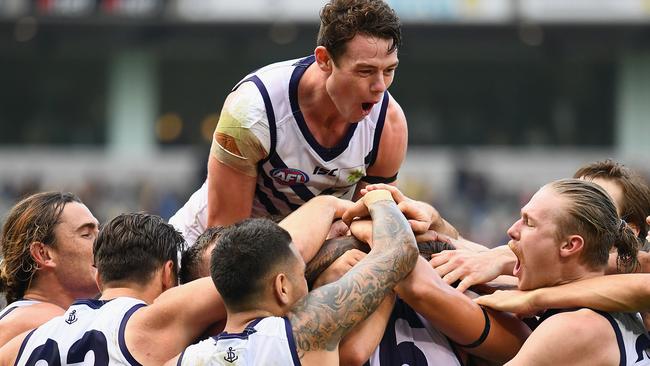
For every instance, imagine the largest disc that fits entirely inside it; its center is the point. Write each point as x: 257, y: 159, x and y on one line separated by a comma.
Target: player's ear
x: 281, y: 289
x: 98, y: 280
x: 169, y: 278
x: 323, y: 59
x: 574, y: 244
x: 41, y: 254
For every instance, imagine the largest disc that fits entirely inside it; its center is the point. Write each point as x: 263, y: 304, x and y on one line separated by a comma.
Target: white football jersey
x: 633, y: 341
x: 91, y: 332
x: 297, y: 168
x: 631, y: 336
x: 409, y: 339
x: 265, y: 341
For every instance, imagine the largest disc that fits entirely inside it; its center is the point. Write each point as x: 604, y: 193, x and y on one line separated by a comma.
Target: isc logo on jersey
x: 289, y: 176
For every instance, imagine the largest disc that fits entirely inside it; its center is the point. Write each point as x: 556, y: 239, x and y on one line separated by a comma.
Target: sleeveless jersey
x: 265, y: 341
x: 631, y: 336
x: 410, y: 339
x: 15, y: 305
x: 91, y: 332
x: 297, y: 167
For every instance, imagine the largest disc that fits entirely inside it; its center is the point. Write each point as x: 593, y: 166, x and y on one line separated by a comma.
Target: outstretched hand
x: 419, y: 214
x: 511, y: 301
x: 472, y: 268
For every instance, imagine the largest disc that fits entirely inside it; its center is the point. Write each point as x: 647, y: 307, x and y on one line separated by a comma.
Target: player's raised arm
x: 323, y: 317
x: 237, y: 147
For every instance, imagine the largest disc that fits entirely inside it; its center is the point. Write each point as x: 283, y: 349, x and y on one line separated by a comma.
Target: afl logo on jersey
x: 289, y: 176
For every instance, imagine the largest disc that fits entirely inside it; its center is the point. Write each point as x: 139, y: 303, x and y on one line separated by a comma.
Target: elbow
x: 353, y: 357
x: 411, y: 255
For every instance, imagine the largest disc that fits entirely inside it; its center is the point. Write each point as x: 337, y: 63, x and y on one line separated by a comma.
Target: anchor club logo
x: 230, y: 356
x: 72, y: 317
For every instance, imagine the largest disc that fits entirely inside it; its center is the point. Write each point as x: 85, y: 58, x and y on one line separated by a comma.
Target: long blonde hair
x: 31, y: 220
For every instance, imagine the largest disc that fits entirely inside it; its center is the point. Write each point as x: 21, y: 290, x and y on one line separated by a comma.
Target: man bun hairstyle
x: 591, y: 214
x: 636, y: 193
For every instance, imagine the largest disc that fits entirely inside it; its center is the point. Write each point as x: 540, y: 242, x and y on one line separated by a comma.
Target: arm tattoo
x: 325, y: 315
x: 331, y: 250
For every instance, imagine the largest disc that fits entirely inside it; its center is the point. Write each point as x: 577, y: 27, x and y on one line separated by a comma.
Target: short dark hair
x: 192, y: 257
x: 341, y: 20
x: 591, y: 214
x: 132, y: 247
x: 30, y: 220
x: 244, y: 255
x: 636, y: 193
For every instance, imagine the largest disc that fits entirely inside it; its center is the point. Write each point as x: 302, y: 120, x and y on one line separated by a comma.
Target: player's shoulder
x: 581, y: 321
x: 575, y: 337
x: 395, y: 127
x: 394, y: 112
x: 33, y: 315
x: 583, y: 329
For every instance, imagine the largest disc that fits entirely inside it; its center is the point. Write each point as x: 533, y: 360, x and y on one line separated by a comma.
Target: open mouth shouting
x: 366, y: 107
x: 514, y: 249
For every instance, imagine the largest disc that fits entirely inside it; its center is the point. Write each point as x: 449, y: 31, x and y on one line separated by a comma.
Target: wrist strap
x: 483, y: 337
x: 377, y: 195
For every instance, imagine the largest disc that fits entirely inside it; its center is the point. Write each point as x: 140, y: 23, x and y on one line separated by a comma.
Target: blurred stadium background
x: 116, y: 100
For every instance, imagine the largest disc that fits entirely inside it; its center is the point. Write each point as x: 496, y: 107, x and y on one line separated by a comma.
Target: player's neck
x: 49, y: 291
x: 320, y: 113
x: 237, y: 321
x: 144, y: 293
x: 578, y: 272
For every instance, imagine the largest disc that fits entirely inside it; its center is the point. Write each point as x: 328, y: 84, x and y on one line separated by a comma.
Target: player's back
x: 91, y: 332
x: 265, y: 341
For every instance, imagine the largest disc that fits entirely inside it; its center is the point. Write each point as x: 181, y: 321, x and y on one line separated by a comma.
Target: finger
x: 438, y: 259
x: 359, y: 209
x: 483, y: 300
x: 452, y: 276
x: 465, y: 284
x: 429, y: 235
x: 489, y: 300
x: 419, y: 227
x: 444, y: 269
x: 358, y: 255
x: 398, y: 196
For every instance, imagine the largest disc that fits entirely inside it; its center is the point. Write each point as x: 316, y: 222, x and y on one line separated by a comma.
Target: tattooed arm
x: 325, y: 315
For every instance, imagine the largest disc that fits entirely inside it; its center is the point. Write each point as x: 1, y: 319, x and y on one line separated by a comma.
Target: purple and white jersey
x: 297, y: 167
x: 409, y: 339
x: 265, y: 341
x: 91, y: 332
